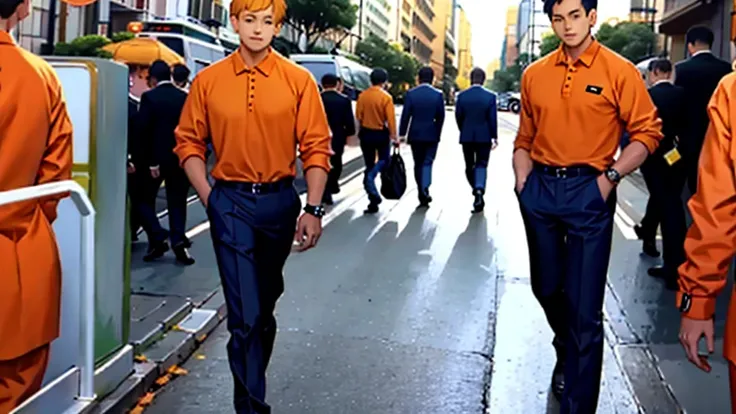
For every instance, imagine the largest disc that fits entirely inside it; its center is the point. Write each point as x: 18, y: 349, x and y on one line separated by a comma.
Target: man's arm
x: 525, y: 136
x: 493, y: 118
x: 146, y: 139
x: 191, y: 135
x: 405, y: 116
x: 642, y: 122
x: 711, y: 240
x: 57, y: 159
x: 349, y: 119
x: 459, y: 113
x: 391, y: 117
x: 313, y: 135
x: 440, y: 114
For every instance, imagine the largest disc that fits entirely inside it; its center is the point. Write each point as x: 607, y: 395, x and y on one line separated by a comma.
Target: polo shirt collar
x: 265, y: 67
x: 586, y: 58
x: 6, y: 38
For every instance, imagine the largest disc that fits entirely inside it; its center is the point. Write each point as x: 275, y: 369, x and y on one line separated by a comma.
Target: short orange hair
x: 279, y: 7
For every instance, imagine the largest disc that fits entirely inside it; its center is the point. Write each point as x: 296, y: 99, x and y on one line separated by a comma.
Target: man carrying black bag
x: 377, y: 118
x: 393, y: 177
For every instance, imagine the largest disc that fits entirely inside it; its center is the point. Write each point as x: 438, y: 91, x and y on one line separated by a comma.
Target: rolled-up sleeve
x: 312, y: 128
x: 638, y: 111
x: 527, y: 127
x: 193, y: 127
x: 711, y: 241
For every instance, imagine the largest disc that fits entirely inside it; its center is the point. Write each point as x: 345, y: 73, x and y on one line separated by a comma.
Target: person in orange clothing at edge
x: 710, y: 245
x: 576, y: 102
x: 257, y: 107
x: 377, y: 119
x: 36, y: 142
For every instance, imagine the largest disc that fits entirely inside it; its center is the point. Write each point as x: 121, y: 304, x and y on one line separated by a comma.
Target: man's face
x: 256, y: 29
x: 570, y: 22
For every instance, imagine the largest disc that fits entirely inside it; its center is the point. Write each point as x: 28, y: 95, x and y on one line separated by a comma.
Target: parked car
x: 509, y: 101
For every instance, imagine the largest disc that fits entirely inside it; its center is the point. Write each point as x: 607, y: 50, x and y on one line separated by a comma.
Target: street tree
x: 315, y: 18
x: 550, y: 43
x: 402, y: 68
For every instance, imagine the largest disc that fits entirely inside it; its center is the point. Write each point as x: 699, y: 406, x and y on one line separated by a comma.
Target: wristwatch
x: 686, y: 302
x: 317, y: 211
x: 612, y: 175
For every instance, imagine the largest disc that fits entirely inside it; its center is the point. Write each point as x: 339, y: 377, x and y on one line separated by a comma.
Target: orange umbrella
x: 142, y: 51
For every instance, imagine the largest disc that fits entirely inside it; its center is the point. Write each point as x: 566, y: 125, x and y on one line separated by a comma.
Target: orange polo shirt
x: 35, y: 148
x: 256, y: 118
x: 375, y: 110
x: 574, y: 113
x: 711, y: 240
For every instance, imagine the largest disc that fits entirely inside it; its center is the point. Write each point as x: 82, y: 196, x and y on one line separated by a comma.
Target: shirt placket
x: 569, y: 80
x: 251, y: 91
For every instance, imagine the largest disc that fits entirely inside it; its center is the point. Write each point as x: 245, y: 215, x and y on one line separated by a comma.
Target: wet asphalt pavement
x: 430, y: 311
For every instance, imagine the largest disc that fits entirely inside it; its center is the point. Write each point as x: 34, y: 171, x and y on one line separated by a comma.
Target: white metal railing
x: 87, y: 211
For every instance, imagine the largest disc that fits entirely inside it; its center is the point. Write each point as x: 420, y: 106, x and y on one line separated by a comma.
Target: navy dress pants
x: 424, y: 154
x: 252, y: 232
x: 569, y: 227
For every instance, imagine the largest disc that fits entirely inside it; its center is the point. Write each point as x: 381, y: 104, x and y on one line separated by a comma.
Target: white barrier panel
x: 61, y: 393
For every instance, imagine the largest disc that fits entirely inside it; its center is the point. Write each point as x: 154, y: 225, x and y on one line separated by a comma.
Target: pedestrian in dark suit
x: 664, y: 181
x: 339, y: 110
x: 158, y: 117
x: 477, y: 118
x: 423, y: 117
x: 699, y: 76
x: 133, y: 156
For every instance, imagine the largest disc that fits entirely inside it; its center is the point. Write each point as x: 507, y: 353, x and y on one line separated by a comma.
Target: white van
x: 355, y: 76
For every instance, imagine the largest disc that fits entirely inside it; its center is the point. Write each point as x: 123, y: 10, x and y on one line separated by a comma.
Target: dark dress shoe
x: 372, y: 208
x: 156, y: 251
x: 558, y: 380
x: 479, y: 204
x: 670, y: 279
x: 183, y: 256
x: 649, y: 246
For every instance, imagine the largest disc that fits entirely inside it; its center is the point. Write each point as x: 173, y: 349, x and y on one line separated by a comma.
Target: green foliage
x: 550, y: 43
x: 122, y: 36
x: 90, y: 46
x: 317, y: 17
x: 402, y: 68
x: 634, y: 41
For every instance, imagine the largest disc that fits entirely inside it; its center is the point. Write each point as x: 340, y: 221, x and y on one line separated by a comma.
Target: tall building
x: 650, y: 12
x: 492, y: 68
x: 443, y: 47
x: 404, y: 33
x: 464, y: 54
x: 374, y: 18
x: 510, y: 50
x: 423, y: 33
x: 532, y: 25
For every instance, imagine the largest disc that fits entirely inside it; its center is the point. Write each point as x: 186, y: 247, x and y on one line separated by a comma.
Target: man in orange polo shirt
x: 36, y: 142
x: 575, y: 104
x: 377, y: 119
x: 711, y: 241
x: 256, y: 106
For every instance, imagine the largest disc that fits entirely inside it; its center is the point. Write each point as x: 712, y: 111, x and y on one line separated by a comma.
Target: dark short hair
x: 477, y: 76
x: 588, y: 5
x: 660, y: 65
x: 180, y: 73
x: 8, y: 7
x: 700, y: 34
x: 379, y: 76
x: 426, y: 75
x: 160, y: 71
x: 329, y: 80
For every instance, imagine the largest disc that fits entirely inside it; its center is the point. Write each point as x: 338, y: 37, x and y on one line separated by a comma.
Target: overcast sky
x: 488, y: 18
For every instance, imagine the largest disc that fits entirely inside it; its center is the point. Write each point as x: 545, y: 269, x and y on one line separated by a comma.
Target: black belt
x: 259, y: 188
x: 565, y: 172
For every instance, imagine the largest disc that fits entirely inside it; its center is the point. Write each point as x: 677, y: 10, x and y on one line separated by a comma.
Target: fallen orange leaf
x: 146, y: 399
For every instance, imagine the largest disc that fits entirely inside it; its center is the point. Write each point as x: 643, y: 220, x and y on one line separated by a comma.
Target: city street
x: 392, y: 314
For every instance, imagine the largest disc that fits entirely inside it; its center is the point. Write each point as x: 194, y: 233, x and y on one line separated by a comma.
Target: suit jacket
x: 670, y: 102
x: 158, y: 117
x: 36, y: 142
x: 134, y: 151
x: 699, y: 76
x: 339, y: 110
x: 424, y: 106
x: 477, y: 116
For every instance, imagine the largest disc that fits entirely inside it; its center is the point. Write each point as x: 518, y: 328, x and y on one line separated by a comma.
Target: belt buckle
x: 256, y: 189
x: 561, y: 172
